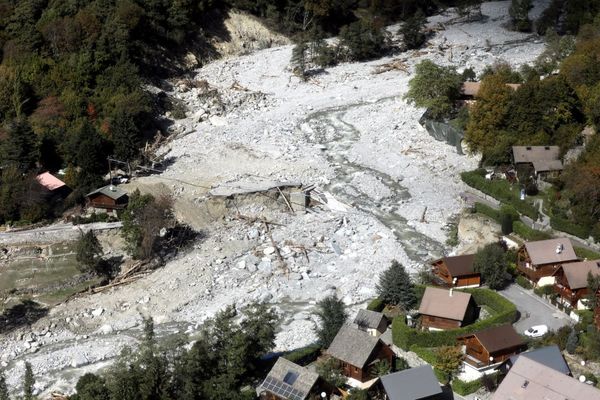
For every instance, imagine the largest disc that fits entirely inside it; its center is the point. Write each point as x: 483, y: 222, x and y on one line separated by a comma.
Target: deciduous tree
x: 491, y: 262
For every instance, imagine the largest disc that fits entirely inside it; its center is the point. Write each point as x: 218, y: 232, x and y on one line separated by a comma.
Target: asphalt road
x: 534, y: 310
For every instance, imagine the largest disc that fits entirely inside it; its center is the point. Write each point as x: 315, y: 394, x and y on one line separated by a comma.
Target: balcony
x: 474, y: 362
x: 565, y: 293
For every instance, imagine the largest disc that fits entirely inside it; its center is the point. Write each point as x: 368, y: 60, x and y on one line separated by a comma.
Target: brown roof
x: 551, y: 251
x: 576, y: 273
x: 498, y: 338
x: 472, y: 88
x: 459, y: 265
x: 450, y: 304
x: 352, y: 346
x: 530, y: 380
x: 543, y: 158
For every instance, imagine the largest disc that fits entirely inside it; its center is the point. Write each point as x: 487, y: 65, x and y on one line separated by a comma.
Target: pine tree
x: 572, y: 342
x: 332, y: 313
x: 298, y: 61
x: 412, y: 30
x: 3, y: 388
x: 20, y: 147
x: 519, y: 14
x: 395, y: 287
x: 89, y: 251
x: 125, y: 137
x: 28, y: 382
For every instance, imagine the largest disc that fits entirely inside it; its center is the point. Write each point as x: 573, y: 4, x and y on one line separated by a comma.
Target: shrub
x: 464, y: 388
x: 506, y: 224
x: 527, y: 233
x: 305, y: 355
x: 582, y: 252
x: 376, y: 305
x: 564, y: 225
x: 524, y: 282
x: 488, y: 211
x: 362, y: 40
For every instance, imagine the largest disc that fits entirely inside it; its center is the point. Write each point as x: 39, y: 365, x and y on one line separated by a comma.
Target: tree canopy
x: 396, y: 288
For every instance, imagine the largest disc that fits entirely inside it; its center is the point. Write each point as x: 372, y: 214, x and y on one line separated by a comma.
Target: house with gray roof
x: 372, y: 322
x: 550, y: 356
x: 109, y: 197
x: 289, y: 381
x: 411, y: 384
x: 544, y: 159
x: 358, y: 352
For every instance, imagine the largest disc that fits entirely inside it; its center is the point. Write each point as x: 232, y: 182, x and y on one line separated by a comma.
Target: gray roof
x: 530, y: 380
x: 289, y: 380
x: 369, y: 319
x: 551, y: 251
x: 550, y: 356
x: 352, y: 346
x: 411, y: 384
x: 109, y: 190
x: 532, y: 154
x: 443, y: 303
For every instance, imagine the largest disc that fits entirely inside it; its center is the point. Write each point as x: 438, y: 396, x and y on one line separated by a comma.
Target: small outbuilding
x: 372, y: 322
x: 491, y: 346
x: 109, y: 197
x: 357, y: 351
x: 411, y: 384
x: 457, y: 271
x: 446, y: 309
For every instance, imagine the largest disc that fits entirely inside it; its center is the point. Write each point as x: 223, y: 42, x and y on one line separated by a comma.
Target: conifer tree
x: 332, y: 313
x: 89, y: 251
x: 298, y: 61
x: 572, y: 342
x: 412, y: 30
x: 395, y: 287
x: 3, y: 388
x: 28, y: 382
x: 491, y: 262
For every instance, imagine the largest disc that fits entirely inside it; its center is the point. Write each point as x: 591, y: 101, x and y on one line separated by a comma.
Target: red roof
x: 49, y: 181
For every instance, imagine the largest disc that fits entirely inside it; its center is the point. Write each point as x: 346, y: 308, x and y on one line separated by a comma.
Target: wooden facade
x: 491, y: 346
x: 569, y: 296
x: 381, y: 352
x: 532, y: 271
x: 436, y: 322
x: 100, y: 200
x: 441, y: 271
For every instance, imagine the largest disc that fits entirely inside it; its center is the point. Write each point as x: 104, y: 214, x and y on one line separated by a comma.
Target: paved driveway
x: 534, y: 310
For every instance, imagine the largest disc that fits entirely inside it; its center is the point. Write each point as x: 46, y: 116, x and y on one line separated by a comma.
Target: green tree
x: 3, y: 387
x: 395, y: 287
x: 572, y: 342
x: 363, y: 40
x: 91, y: 387
x: 28, y: 383
x: 469, y: 8
x: 380, y: 368
x: 412, y: 30
x: 491, y: 263
x: 448, y: 359
x: 331, y: 371
x: 593, y: 284
x: 298, y: 60
x: 125, y: 137
x: 519, y: 14
x: 20, y: 147
x: 358, y: 394
x: 88, y: 252
x: 434, y: 87
x: 332, y: 314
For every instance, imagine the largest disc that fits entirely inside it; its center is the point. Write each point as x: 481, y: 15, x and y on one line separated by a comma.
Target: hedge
x: 465, y: 388
x: 376, y: 305
x: 564, y: 225
x: 503, y: 312
x: 500, y: 190
x: 488, y: 211
x: 305, y: 355
x: 523, y: 282
x: 582, y: 252
x: 529, y: 234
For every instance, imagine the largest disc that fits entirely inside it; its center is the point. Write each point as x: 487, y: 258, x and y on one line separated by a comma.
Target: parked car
x: 536, y: 331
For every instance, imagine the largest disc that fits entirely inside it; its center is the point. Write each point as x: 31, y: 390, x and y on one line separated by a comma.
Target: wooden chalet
x: 491, y: 346
x: 538, y: 261
x: 457, y: 271
x: 571, y: 282
x: 446, y: 309
x: 289, y: 381
x: 357, y: 351
x: 545, y: 160
x: 108, y: 197
x: 374, y: 323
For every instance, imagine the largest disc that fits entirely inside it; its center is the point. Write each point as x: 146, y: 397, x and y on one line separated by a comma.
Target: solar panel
x: 282, y: 389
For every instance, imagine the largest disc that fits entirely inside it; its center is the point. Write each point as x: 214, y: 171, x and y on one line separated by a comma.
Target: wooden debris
x: 423, y: 216
x: 286, y: 200
x: 399, y: 65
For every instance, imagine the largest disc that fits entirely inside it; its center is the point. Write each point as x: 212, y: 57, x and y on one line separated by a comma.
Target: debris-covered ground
x: 347, y: 131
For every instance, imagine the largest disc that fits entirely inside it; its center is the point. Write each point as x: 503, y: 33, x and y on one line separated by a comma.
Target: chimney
x: 450, y: 292
x: 111, y: 188
x: 559, y: 249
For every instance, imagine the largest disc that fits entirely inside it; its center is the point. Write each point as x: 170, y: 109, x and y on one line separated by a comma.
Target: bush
x: 506, y: 224
x: 305, y: 355
x: 564, y: 225
x: 488, y: 211
x: 362, y: 40
x: 464, y: 388
x: 500, y: 190
x: 503, y: 311
x: 524, y: 282
x: 526, y: 233
x: 582, y: 252
x: 376, y: 305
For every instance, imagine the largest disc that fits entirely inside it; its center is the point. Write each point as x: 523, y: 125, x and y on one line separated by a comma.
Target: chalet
x: 55, y: 187
x: 374, y: 323
x: 529, y: 379
x: 289, y: 381
x: 411, y: 384
x: 446, y: 309
x: 470, y: 90
x: 538, y: 261
x: 545, y: 160
x: 491, y: 346
x: 457, y: 271
x: 550, y: 356
x: 358, y: 352
x: 571, y: 282
x: 108, y: 197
